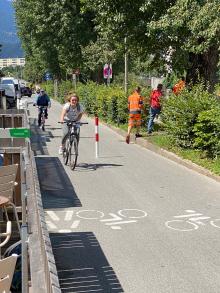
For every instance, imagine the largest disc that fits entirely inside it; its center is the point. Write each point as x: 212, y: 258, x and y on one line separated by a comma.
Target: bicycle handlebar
x: 73, y: 122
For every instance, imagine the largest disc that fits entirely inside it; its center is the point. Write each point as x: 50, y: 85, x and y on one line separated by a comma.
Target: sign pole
x: 126, y: 67
x: 96, y: 137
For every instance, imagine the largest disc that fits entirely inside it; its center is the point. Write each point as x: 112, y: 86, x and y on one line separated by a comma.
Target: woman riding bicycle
x: 72, y: 111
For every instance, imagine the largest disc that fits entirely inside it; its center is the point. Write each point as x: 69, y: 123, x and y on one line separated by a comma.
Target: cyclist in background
x: 72, y: 111
x: 42, y: 100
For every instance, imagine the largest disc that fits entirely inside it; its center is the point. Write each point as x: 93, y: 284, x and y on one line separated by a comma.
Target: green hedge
x: 180, y: 113
x: 207, y: 132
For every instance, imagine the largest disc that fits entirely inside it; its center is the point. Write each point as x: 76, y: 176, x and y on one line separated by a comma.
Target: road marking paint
x: 197, y: 220
x: 93, y: 217
x: 121, y: 222
x: 53, y: 216
x: 68, y: 216
x: 51, y: 225
x: 168, y: 225
x: 186, y: 216
x: 64, y: 231
x: 75, y: 224
x: 114, y: 218
x: 143, y: 213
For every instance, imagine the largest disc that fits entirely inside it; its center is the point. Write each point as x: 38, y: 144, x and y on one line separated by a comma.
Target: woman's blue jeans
x: 153, y: 112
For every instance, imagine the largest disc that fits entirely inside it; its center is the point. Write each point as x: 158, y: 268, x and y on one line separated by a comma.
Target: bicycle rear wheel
x: 66, y: 151
x: 73, y: 154
x: 43, y: 122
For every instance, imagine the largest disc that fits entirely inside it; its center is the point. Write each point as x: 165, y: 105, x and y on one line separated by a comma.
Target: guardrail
x: 36, y: 245
x: 51, y: 278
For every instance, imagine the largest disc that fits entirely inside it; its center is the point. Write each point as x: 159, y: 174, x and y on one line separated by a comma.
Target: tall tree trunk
x: 203, y: 67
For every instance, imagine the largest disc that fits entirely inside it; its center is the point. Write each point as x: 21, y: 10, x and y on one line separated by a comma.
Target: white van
x: 12, y: 90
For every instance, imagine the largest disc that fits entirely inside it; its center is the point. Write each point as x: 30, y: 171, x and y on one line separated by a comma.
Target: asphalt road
x: 130, y: 221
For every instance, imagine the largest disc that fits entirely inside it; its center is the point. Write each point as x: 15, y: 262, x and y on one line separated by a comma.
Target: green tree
x: 189, y: 28
x: 51, y: 33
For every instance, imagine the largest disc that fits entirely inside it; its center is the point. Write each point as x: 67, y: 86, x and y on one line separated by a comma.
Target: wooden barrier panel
x: 9, y: 159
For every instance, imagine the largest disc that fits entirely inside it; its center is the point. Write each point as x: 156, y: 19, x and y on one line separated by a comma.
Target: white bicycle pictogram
x: 191, y: 221
x: 116, y: 219
x: 113, y: 220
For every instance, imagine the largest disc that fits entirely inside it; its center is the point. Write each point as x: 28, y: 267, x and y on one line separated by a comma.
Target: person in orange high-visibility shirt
x: 135, y: 104
x: 178, y: 87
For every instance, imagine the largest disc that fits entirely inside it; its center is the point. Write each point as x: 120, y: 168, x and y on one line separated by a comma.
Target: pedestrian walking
x: 135, y: 105
x: 155, y: 106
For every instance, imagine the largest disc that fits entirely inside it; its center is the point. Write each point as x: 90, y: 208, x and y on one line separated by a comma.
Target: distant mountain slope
x: 10, y: 50
x: 8, y: 34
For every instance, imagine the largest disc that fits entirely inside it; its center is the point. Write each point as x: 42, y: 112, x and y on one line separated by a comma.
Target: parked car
x: 26, y: 91
x: 12, y: 90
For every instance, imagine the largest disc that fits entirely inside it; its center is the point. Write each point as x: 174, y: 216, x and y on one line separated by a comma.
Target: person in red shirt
x: 155, y: 106
x: 135, y: 104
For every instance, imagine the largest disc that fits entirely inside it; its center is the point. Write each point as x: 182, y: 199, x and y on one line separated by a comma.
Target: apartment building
x: 7, y: 62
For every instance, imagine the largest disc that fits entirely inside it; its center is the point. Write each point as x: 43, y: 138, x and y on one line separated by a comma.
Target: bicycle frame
x: 70, y: 152
x: 42, y: 109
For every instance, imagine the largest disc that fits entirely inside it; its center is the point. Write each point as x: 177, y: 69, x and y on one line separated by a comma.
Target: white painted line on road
x: 116, y: 227
x: 186, y: 216
x: 75, y: 224
x: 127, y: 211
x: 53, y: 216
x: 121, y: 222
x: 92, y: 217
x: 114, y: 218
x: 68, y: 216
x: 64, y: 231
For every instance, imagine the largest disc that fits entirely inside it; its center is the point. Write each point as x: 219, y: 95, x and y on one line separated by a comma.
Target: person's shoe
x: 149, y: 132
x: 127, y: 139
x: 60, y: 150
x: 138, y: 135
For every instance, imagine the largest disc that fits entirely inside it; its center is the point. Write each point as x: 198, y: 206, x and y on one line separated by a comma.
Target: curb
x: 171, y: 156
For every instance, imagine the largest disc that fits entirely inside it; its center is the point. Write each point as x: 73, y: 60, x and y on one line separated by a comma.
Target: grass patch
x: 196, y: 156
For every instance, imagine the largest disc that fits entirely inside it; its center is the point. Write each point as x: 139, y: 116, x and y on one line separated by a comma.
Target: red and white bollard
x: 96, y: 137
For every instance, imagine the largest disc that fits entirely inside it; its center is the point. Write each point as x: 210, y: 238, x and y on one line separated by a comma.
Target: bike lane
x: 115, y: 220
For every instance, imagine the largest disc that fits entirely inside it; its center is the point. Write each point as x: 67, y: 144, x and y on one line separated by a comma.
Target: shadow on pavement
x: 56, y: 188
x: 38, y: 139
x: 81, y: 167
x: 82, y: 265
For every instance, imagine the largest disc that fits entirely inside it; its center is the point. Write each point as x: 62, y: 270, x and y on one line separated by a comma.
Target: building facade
x: 7, y: 62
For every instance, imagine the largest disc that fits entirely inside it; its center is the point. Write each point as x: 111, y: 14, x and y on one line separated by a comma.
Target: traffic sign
x: 20, y: 132
x: 107, y: 71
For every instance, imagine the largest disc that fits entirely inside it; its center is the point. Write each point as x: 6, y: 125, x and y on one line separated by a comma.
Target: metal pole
x: 24, y: 259
x: 55, y: 89
x: 96, y: 137
x: 126, y: 67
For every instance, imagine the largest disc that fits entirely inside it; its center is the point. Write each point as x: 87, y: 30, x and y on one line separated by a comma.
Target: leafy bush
x: 180, y: 113
x: 207, y: 132
x: 109, y: 103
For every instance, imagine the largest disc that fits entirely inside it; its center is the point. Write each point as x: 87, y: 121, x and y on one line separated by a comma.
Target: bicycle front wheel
x: 73, y: 154
x: 66, y: 151
x: 43, y: 122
